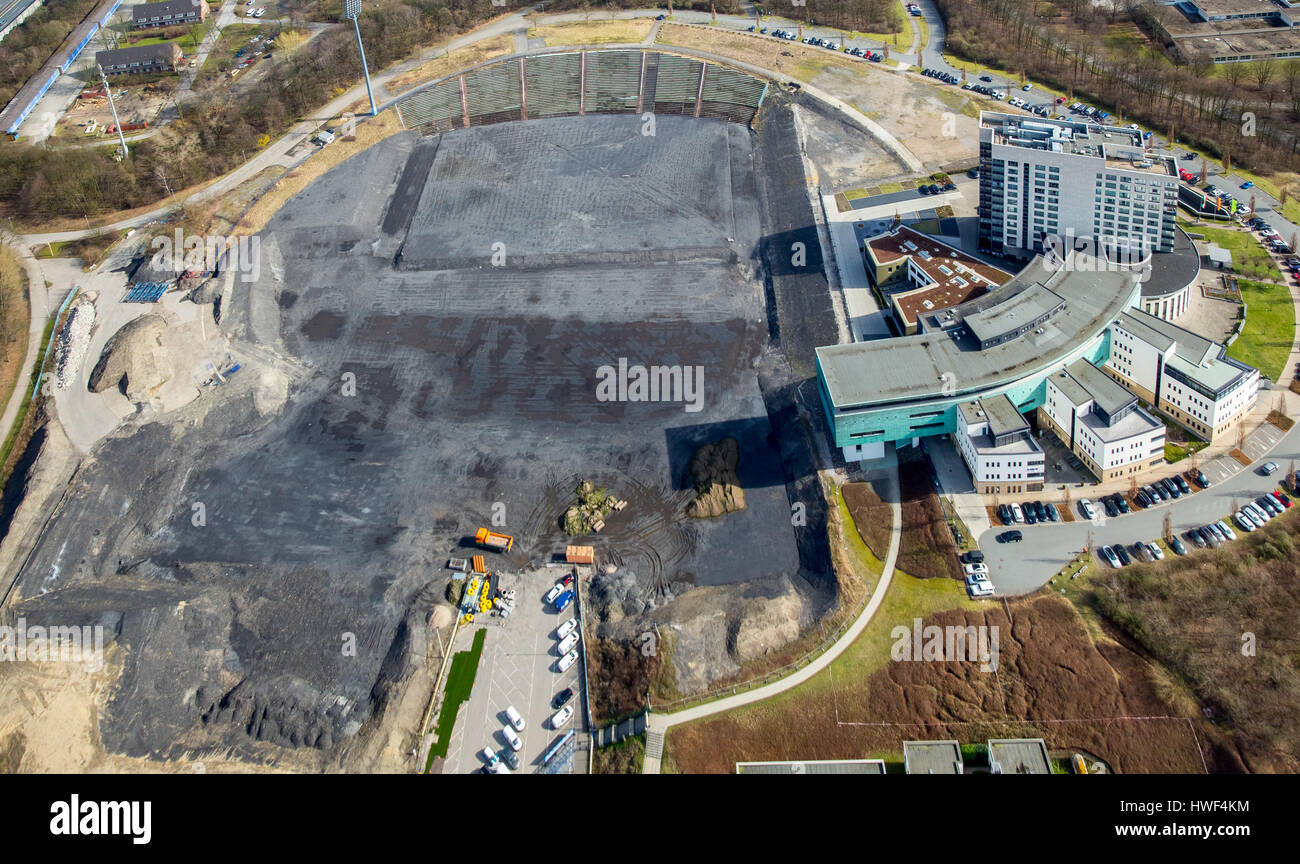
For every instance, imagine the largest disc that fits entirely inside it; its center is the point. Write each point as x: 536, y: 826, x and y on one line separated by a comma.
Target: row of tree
x: 1218, y: 113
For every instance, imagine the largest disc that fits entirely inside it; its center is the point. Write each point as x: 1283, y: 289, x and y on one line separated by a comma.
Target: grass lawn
x: 1248, y: 257
x: 1265, y: 342
x: 1178, y: 452
x: 625, y: 757
x: 460, y: 681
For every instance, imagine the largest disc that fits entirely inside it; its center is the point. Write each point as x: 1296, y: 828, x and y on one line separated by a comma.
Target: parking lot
x: 519, y: 668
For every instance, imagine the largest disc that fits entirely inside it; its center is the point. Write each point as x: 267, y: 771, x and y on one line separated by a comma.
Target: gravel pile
x: 75, y: 341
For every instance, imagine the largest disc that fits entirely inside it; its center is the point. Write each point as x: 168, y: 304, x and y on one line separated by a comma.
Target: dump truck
x: 492, y: 540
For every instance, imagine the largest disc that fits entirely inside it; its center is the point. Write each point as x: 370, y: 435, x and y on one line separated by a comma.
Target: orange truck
x: 492, y: 540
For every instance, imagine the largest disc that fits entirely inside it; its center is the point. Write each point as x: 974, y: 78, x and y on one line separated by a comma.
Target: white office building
x: 1000, y: 452
x: 1101, y: 422
x: 1074, y: 179
x: 1187, y: 377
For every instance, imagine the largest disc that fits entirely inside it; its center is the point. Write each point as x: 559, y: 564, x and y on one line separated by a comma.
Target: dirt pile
x: 588, y: 515
x: 132, y: 361
x: 713, y: 471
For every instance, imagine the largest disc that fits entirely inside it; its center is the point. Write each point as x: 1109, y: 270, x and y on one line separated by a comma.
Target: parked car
x: 489, y: 756
x: 974, y: 556
x: 1010, y: 537
x: 1004, y: 513
x: 1109, y: 505
x: 562, y: 717
x: 1112, y: 559
x: 1169, y: 487
x: 1052, y: 513
x: 976, y: 569
x: 1086, y: 508
x: 1142, y: 553
x: 1177, y: 545
x: 1143, y: 498
x: 1031, y: 518
x: 1182, y: 484
x: 1268, y: 468
x: 1124, y: 557
x: 1202, y: 480
x: 515, y: 720
x: 980, y: 588
x: 1248, y: 184
x: 1243, y: 522
x: 567, y: 660
x: 1210, y: 537
x: 566, y: 628
x: 562, y: 602
x: 1197, y: 540
x: 1227, y: 532
x: 511, y: 738
x: 1017, y: 515
x: 1281, y: 498
x: 509, y: 757
x: 1157, y: 553
x: 556, y: 590
x: 1269, y: 505
x: 563, y: 696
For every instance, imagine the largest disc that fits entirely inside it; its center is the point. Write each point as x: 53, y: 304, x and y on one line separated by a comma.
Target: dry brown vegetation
x: 871, y: 516
x: 1224, y: 621
x: 14, y: 315
x: 461, y: 58
x: 624, y: 675
x: 1052, y: 681
x: 928, y: 550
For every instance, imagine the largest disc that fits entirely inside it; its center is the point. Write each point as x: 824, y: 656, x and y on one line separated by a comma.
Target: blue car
x: 1248, y: 184
x: 562, y: 602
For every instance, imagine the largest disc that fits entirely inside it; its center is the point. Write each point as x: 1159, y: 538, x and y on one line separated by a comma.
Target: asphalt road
x: 1018, y: 568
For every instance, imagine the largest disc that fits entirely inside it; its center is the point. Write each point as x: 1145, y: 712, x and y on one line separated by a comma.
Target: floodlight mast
x: 352, y: 9
x: 108, y: 91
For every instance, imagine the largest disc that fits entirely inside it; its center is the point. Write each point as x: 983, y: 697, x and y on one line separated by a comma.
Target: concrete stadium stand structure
x: 568, y: 83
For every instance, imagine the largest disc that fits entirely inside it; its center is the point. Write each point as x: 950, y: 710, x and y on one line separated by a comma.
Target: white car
x: 563, y: 716
x: 566, y: 628
x: 1242, y: 522
x: 1156, y: 552
x: 980, y: 588
x: 568, y: 660
x: 1253, y: 514
x: 1223, y: 526
x: 556, y: 591
x: 1089, y: 512
x: 489, y: 757
x: 1016, y: 514
x: 568, y: 643
x: 511, y: 738
x: 980, y: 569
x: 515, y: 720
x: 259, y: 12
x: 1258, y: 512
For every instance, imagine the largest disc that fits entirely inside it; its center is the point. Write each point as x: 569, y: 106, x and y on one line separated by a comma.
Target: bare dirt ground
x: 1052, y: 681
x: 328, y: 512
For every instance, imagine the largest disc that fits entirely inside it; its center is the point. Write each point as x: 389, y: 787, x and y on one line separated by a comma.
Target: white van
x: 515, y: 720
x: 568, y: 643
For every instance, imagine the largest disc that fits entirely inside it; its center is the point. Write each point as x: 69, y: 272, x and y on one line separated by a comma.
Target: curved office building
x: 1005, y: 343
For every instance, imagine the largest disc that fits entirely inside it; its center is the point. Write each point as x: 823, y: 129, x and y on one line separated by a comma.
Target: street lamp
x: 352, y: 10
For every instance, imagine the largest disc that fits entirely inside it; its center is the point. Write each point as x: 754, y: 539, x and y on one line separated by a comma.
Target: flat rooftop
x: 882, y: 372
x: 842, y: 766
x: 1174, y: 270
x: 1003, y: 416
x: 932, y: 757
x: 954, y: 277
x: 1134, y: 423
x: 1019, y: 756
x: 1120, y: 147
x: 1106, y: 393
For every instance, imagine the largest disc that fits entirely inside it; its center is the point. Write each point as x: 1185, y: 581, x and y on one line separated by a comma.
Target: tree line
x: 1071, y: 51
x: 30, y: 44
